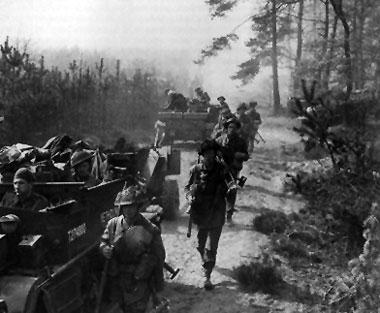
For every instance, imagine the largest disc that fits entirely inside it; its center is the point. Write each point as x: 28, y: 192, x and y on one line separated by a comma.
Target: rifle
x: 261, y: 137
x: 231, y: 182
x: 103, y: 281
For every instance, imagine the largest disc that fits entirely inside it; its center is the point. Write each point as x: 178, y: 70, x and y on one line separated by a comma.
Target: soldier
x: 222, y: 102
x: 24, y: 197
x: 234, y: 152
x: 224, y: 115
x: 255, y: 118
x: 176, y: 101
x: 81, y: 164
x: 203, y: 99
x: 206, y: 191
x: 134, y: 248
x: 245, y: 122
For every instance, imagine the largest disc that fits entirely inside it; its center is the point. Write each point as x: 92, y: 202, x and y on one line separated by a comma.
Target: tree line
x: 332, y: 42
x: 38, y: 102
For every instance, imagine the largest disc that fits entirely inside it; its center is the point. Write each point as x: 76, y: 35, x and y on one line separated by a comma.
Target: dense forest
x: 40, y: 102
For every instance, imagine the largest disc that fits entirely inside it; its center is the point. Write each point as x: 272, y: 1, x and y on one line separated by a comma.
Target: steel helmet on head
x: 78, y: 157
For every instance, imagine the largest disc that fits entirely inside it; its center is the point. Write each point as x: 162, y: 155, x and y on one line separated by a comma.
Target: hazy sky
x: 180, y: 27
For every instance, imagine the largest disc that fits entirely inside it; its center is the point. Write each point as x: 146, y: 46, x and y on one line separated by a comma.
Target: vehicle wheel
x: 174, y: 162
x: 170, y: 199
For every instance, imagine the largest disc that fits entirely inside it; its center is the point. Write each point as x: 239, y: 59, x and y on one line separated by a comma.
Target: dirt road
x: 240, y: 242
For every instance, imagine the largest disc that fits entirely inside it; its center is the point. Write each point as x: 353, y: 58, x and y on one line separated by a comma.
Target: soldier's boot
x: 229, y: 218
x: 207, y: 285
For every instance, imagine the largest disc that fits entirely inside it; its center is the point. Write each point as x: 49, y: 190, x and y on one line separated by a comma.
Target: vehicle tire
x: 170, y: 199
x: 174, y: 162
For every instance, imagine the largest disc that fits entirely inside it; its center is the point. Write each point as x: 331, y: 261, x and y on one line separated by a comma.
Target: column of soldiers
x: 131, y: 244
x: 211, y: 189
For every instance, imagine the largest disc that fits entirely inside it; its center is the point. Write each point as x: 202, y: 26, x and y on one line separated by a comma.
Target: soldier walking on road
x: 134, y: 248
x: 206, y: 192
x: 234, y: 152
x: 255, y: 119
x: 245, y: 122
x: 224, y: 115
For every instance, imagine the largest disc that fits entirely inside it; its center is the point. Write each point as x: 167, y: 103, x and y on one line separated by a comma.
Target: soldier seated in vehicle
x: 24, y: 197
x: 81, y: 165
x: 176, y: 101
x: 136, y: 253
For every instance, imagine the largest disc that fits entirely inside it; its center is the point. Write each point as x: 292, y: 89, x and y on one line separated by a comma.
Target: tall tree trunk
x: 324, y: 46
x: 276, y: 92
x: 354, y: 46
x: 377, y: 79
x: 331, y: 55
x: 360, y: 62
x: 338, y: 9
x: 296, y: 79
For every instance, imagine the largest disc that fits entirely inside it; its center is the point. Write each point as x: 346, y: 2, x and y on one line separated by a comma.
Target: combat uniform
x: 90, y: 181
x: 34, y: 202
x: 136, y: 268
x: 208, y: 210
x: 255, y: 120
x: 229, y: 145
x: 246, y: 126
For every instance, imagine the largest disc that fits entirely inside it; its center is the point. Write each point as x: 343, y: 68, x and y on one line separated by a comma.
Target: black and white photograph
x: 190, y: 156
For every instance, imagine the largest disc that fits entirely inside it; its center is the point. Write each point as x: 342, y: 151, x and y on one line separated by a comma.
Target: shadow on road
x: 250, y: 188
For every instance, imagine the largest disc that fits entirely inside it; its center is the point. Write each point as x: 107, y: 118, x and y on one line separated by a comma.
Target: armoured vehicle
x: 50, y: 261
x: 189, y: 126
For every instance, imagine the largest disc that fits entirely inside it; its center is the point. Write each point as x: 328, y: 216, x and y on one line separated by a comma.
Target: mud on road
x: 239, y: 243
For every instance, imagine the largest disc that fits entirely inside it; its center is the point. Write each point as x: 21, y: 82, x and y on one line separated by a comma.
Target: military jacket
x: 255, y: 118
x: 146, y: 264
x: 34, y: 202
x: 246, y: 126
x: 229, y: 146
x: 208, y: 189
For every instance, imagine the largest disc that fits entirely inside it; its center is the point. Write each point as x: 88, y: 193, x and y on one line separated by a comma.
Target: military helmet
x: 129, y: 196
x: 232, y: 120
x: 9, y: 223
x: 208, y: 145
x: 9, y: 218
x: 221, y: 98
x: 241, y: 106
x: 79, y: 157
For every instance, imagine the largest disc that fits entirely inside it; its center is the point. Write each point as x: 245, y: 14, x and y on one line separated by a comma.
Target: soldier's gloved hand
x: 107, y: 252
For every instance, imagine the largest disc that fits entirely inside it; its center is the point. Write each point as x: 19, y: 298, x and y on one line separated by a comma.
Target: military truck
x: 50, y: 262
x: 189, y: 126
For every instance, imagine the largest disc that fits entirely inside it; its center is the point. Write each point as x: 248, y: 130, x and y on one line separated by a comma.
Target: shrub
x: 263, y: 275
x: 271, y: 221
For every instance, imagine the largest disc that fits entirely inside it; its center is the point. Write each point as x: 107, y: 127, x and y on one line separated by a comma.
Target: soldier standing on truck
x: 134, y: 248
x: 255, y: 118
x: 24, y: 197
x: 206, y: 190
x: 222, y: 102
x: 81, y: 165
x: 176, y: 101
x: 234, y: 152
